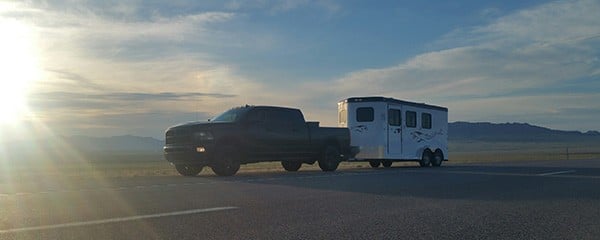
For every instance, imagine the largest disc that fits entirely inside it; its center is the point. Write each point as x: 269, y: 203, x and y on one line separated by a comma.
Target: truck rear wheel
x: 387, y: 163
x: 227, y: 162
x: 374, y: 163
x: 188, y: 170
x: 330, y: 159
x: 438, y: 157
x: 291, y: 166
x: 426, y: 158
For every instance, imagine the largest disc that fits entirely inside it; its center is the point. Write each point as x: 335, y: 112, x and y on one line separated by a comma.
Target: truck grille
x: 174, y: 137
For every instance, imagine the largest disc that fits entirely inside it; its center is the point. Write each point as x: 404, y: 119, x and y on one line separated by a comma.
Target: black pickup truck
x: 253, y: 134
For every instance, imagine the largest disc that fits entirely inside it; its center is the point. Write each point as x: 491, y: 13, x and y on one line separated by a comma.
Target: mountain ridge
x: 516, y: 132
x: 457, y: 132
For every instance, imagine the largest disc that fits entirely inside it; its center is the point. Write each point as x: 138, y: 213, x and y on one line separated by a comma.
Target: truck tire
x: 437, y: 159
x: 330, y: 159
x: 227, y: 162
x: 426, y: 158
x: 374, y: 163
x: 188, y: 170
x: 387, y: 163
x: 291, y: 166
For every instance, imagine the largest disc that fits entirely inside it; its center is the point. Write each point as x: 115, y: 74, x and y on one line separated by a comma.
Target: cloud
x: 116, y: 58
x: 517, y: 56
x: 284, y: 6
x: 555, y: 22
x: 105, y: 100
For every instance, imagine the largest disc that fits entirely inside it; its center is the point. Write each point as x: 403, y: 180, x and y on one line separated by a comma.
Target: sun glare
x: 18, y: 59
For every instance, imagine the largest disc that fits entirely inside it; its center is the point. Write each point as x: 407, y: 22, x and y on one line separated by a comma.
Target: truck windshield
x: 232, y: 115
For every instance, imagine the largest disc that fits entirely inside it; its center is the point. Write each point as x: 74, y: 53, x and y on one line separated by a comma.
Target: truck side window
x: 394, y: 117
x: 365, y: 114
x: 411, y: 119
x: 256, y: 116
x: 426, y: 120
x: 293, y: 117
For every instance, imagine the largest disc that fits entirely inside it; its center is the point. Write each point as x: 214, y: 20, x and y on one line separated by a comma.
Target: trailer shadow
x: 496, y: 182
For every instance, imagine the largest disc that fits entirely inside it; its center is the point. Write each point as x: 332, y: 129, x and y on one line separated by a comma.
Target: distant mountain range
x: 126, y: 143
x: 457, y: 132
x: 514, y: 132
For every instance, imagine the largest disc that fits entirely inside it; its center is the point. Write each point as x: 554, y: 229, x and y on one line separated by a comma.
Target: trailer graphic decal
x: 360, y: 128
x: 419, y: 136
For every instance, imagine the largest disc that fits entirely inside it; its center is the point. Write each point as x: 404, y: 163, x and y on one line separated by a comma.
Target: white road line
x: 555, y: 173
x: 115, y: 220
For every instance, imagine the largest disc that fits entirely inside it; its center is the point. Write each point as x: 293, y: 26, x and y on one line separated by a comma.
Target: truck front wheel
x: 188, y: 170
x: 330, y: 159
x: 227, y: 162
x: 291, y: 166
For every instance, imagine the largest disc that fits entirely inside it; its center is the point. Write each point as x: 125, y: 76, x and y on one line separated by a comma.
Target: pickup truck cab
x: 252, y: 134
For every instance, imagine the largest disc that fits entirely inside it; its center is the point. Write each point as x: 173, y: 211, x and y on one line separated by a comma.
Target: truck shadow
x: 473, y: 181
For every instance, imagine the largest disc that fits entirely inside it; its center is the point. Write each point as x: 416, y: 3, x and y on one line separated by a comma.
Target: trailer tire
x: 227, y: 162
x: 330, y: 159
x: 188, y: 170
x: 437, y: 159
x: 374, y: 163
x: 291, y: 166
x: 426, y: 158
x: 387, y: 163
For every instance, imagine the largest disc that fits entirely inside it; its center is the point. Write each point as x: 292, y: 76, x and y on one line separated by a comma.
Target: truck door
x: 287, y: 132
x: 394, y: 132
x: 258, y: 139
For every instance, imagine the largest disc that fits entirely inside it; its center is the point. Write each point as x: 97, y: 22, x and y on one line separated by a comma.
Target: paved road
x: 534, y: 200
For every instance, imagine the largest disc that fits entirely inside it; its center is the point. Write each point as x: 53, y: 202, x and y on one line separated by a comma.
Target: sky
x: 106, y: 68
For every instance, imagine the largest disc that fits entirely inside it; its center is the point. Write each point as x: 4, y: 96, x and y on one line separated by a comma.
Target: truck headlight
x: 203, y: 136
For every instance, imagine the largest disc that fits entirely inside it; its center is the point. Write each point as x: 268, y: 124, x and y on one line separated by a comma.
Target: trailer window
x: 365, y: 114
x: 426, y: 120
x: 394, y: 117
x: 411, y: 119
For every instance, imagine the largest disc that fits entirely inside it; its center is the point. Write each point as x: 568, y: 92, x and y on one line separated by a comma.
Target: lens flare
x: 19, y: 61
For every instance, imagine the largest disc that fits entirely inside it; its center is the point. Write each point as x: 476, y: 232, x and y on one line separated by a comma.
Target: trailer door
x: 394, y: 132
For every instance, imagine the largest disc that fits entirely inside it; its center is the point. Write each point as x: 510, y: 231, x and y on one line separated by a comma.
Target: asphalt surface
x: 521, y: 200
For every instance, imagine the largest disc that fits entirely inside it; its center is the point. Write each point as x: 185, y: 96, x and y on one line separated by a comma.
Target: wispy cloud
x: 283, y: 6
x: 517, y: 56
x: 114, y: 59
x: 105, y: 100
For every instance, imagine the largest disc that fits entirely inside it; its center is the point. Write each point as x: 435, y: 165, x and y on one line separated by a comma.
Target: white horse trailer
x: 388, y: 130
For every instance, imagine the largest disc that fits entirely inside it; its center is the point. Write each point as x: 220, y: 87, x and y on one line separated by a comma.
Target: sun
x: 18, y: 61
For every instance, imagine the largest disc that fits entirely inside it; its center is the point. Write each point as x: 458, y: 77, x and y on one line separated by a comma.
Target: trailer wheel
x: 374, y: 163
x: 330, y: 159
x: 438, y: 157
x: 188, y: 170
x: 291, y: 166
x: 387, y: 163
x: 426, y: 158
x: 227, y: 162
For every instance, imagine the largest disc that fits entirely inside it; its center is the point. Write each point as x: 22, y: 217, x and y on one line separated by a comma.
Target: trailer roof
x: 393, y: 100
